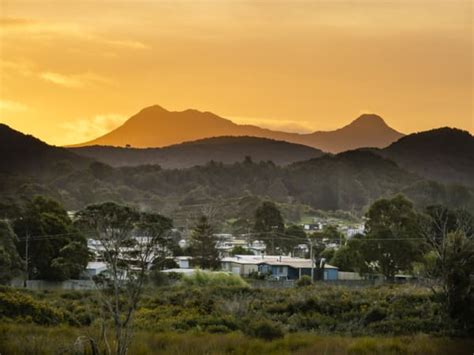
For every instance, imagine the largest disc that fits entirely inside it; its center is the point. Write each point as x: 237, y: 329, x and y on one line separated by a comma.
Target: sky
x: 71, y: 71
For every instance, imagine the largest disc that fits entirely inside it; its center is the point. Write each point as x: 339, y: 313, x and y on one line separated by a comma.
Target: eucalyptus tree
x: 128, y: 242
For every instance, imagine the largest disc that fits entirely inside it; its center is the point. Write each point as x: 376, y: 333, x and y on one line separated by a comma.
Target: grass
x: 37, y: 340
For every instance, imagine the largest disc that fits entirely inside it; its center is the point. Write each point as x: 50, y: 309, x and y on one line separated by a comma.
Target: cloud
x: 86, y: 129
x: 12, y: 106
x: 275, y: 124
x: 75, y: 80
x: 63, y: 80
x: 15, y: 21
x: 126, y: 44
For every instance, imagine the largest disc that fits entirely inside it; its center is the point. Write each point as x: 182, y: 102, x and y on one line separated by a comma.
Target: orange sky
x: 72, y: 70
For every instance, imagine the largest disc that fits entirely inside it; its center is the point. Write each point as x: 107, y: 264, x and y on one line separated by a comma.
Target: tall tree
x: 294, y: 235
x: 392, y: 230
x: 349, y: 258
x: 129, y: 243
x: 11, y: 264
x: 269, y: 225
x: 203, y: 245
x: 450, y: 259
x: 50, y: 244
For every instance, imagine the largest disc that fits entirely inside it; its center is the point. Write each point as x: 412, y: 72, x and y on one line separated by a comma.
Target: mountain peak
x: 155, y: 126
x: 369, y: 119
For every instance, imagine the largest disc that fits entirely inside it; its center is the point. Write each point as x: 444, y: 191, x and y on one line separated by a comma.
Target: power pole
x: 26, y: 258
x: 312, y: 259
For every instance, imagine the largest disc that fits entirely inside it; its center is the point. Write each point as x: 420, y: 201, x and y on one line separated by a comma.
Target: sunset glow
x: 72, y: 71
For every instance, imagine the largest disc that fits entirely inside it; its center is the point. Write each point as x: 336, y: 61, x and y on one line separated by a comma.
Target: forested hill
x: 21, y: 153
x: 444, y: 154
x: 220, y: 149
x: 347, y: 181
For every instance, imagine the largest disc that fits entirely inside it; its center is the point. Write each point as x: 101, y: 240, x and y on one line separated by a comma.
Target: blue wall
x: 293, y: 273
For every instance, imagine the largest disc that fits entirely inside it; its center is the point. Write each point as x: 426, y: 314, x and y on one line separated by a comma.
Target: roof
x: 273, y: 260
x: 95, y: 265
x: 297, y: 264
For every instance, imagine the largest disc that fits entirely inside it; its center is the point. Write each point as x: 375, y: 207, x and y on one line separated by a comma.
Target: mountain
x: 219, y: 149
x: 157, y: 127
x: 20, y: 153
x: 445, y: 155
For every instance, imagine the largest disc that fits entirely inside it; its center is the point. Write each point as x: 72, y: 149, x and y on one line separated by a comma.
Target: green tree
x: 269, y: 225
x: 294, y: 235
x: 129, y: 242
x: 449, y: 237
x: 349, y: 258
x: 240, y: 250
x: 56, y: 249
x: 11, y: 264
x: 390, y: 244
x: 332, y: 234
x: 203, y: 245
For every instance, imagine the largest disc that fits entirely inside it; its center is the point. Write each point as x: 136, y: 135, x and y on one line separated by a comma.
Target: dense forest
x: 346, y: 181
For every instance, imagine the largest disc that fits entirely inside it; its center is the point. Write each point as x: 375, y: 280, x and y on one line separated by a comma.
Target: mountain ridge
x: 224, y: 149
x: 156, y: 127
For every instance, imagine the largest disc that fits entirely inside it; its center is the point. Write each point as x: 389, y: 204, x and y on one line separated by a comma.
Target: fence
x: 54, y: 285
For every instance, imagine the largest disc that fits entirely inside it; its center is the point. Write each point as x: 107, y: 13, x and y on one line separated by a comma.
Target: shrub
x: 205, y: 278
x: 375, y: 314
x: 266, y: 330
x: 304, y: 281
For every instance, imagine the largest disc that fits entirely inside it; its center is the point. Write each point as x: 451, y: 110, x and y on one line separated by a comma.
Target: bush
x: 265, y: 330
x: 205, y: 278
x: 304, y: 281
x: 375, y: 314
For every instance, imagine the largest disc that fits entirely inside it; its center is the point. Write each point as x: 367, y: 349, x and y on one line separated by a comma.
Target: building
x: 294, y: 269
x: 276, y: 266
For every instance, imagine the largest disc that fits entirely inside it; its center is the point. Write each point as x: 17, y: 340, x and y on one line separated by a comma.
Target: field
x: 211, y: 317
x: 33, y: 339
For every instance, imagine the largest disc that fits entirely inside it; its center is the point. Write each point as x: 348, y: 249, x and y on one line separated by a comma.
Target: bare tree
x: 128, y: 243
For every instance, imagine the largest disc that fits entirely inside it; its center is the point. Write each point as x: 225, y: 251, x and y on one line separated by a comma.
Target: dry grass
x: 37, y: 340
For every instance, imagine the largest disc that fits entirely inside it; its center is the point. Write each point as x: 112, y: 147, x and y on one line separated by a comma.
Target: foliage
x: 56, y: 250
x: 10, y: 262
x: 269, y: 226
x: 293, y: 236
x: 213, y: 279
x: 240, y: 250
x: 265, y: 329
x: 305, y: 280
x: 203, y: 245
x: 450, y: 259
x: 30, y: 339
x: 390, y: 244
x: 129, y: 241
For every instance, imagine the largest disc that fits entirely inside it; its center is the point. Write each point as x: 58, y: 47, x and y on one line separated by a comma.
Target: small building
x: 183, y: 261
x: 294, y: 269
x: 94, y: 268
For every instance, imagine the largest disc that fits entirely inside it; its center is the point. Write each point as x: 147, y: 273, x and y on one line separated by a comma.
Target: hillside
x: 444, y: 154
x: 220, y: 149
x: 24, y: 153
x: 347, y: 181
x: 157, y: 127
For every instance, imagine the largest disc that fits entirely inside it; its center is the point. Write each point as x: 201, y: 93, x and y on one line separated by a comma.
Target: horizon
x: 69, y: 75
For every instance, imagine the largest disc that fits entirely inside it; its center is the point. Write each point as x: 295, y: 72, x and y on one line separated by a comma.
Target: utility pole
x: 312, y: 259
x: 26, y: 258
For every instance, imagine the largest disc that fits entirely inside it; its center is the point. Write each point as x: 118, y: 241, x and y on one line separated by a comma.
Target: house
x: 94, y: 268
x: 277, y: 266
x: 183, y: 261
x: 244, y: 265
x: 294, y: 269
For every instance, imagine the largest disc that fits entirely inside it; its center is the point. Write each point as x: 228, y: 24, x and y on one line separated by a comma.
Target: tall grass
x: 37, y: 340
